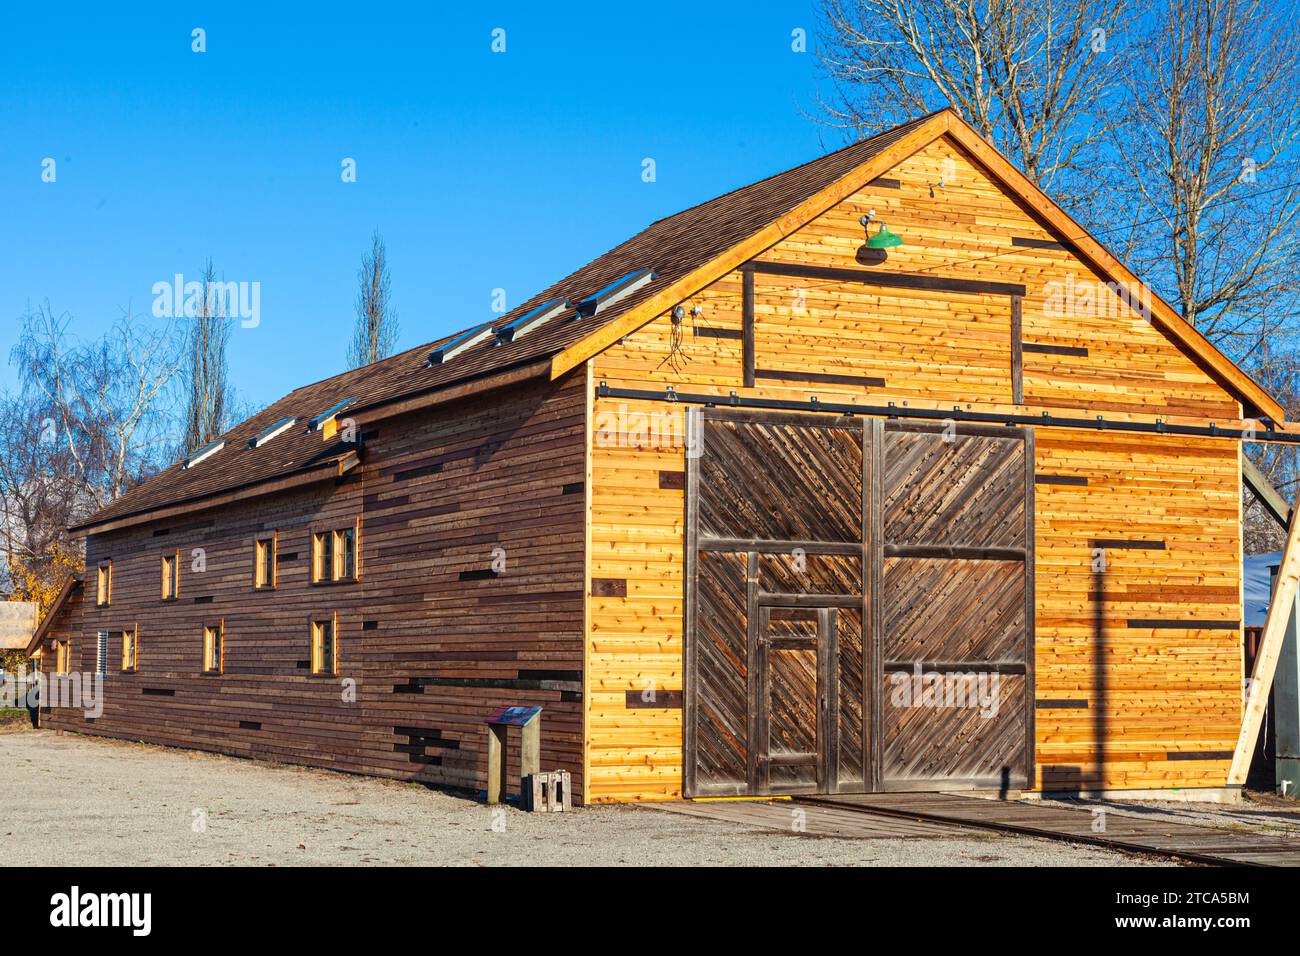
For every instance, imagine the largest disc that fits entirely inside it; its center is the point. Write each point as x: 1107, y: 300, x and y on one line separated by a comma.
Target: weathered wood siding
x: 1149, y: 703
x: 433, y: 637
x: 65, y: 626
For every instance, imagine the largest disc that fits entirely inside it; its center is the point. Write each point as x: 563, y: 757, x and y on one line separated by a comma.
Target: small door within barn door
x: 775, y: 663
x: 953, y: 616
x: 795, y: 743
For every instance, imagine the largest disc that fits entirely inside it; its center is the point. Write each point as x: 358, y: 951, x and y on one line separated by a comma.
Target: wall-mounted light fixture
x: 882, y: 238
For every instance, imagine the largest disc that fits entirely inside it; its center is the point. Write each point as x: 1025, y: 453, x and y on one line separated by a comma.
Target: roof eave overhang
x: 38, y: 636
x: 335, y: 467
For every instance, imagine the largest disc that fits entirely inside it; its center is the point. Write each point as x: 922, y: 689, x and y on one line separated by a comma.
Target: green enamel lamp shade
x: 884, y: 239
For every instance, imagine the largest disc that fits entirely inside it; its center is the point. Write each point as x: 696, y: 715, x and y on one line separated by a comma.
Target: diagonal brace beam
x: 1270, y: 648
x: 1265, y: 493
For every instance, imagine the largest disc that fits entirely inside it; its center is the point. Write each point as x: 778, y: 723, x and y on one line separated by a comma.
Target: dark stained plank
x: 457, y: 639
x: 747, y: 329
x: 893, y: 280
x: 819, y: 378
x: 1017, y: 352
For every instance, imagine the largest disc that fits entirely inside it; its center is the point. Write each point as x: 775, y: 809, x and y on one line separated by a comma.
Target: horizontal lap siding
x: 1159, y: 690
x: 66, y: 626
x: 635, y: 641
x: 507, y: 466
x: 1165, y: 690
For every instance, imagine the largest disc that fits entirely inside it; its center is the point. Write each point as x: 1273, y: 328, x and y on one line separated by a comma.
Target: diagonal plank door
x: 859, y: 605
x: 953, y: 618
x: 775, y: 668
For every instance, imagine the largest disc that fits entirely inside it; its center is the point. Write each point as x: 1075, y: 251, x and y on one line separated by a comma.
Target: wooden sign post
x: 529, y: 722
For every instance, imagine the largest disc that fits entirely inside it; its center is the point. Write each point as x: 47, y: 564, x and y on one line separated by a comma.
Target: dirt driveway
x: 75, y: 801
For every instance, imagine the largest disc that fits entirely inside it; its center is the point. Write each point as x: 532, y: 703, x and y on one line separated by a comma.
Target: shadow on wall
x: 1075, y: 780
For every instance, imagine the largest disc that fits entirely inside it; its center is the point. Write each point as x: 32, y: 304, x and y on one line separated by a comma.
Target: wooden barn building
x: 878, y: 474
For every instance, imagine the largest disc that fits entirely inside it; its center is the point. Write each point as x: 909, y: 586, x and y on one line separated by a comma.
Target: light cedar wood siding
x: 1156, y: 690
x: 504, y: 461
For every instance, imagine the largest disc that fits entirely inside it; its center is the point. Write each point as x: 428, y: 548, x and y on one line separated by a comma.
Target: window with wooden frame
x: 62, y: 657
x: 104, y: 584
x: 334, y: 555
x: 171, y: 576
x: 130, y: 649
x: 325, y: 645
x: 214, y: 647
x: 345, y: 554
x: 264, y: 572
x: 101, y: 653
x: 322, y: 556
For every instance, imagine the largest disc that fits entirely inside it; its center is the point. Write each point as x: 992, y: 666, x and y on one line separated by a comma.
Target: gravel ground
x: 76, y: 801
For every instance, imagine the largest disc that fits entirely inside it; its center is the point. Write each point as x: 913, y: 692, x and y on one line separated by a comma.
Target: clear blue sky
x: 481, y: 170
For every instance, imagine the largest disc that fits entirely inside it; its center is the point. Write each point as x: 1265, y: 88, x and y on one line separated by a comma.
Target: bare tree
x: 376, y: 331
x: 1279, y: 374
x: 1035, y: 77
x: 1209, y: 150
x: 208, y: 394
x: 1210, y: 198
x: 40, y: 497
x: 108, y: 399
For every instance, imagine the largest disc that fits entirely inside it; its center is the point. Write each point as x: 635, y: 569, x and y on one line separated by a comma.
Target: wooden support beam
x: 747, y: 319
x: 1017, y: 352
x: 888, y: 280
x: 1265, y: 493
x: 1270, y: 648
x: 496, y: 782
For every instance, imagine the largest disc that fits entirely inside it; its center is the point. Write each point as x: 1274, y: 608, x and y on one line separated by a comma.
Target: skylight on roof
x: 319, y: 421
x: 531, y: 320
x: 616, y: 291
x: 465, y: 340
x: 207, y: 451
x: 270, y: 431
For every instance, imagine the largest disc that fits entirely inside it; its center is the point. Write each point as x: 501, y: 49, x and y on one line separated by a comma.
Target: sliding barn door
x: 954, y: 608
x: 859, y: 605
x: 775, y: 667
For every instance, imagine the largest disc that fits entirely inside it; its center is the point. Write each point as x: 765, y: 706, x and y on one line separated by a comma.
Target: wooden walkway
x: 817, y: 821
x: 1200, y: 844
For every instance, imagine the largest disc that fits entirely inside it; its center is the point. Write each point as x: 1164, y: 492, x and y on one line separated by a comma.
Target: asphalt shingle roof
x: 673, y: 247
